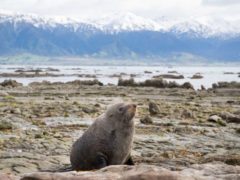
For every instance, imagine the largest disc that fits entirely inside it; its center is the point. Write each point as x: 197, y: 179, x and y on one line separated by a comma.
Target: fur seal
x: 108, y: 141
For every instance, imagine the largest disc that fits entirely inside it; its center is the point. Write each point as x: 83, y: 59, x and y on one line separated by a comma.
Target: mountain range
x: 119, y: 35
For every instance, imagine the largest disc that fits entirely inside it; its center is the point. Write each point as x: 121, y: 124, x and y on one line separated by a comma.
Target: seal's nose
x: 132, y: 108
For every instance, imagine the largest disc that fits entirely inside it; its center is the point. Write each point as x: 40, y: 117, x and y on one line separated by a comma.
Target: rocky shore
x: 181, y: 133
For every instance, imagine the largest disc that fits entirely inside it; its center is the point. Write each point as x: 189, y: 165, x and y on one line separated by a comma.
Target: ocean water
x: 104, y: 74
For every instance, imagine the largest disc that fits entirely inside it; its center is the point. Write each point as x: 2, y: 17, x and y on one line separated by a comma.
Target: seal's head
x: 121, y: 112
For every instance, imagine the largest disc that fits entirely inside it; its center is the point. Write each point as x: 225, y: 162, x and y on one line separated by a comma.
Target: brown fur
x: 107, y: 141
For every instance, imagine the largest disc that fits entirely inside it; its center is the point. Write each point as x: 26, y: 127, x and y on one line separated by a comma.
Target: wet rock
x: 232, y: 84
x: 187, y: 85
x: 228, y: 73
x: 29, y: 71
x: 197, y: 76
x: 148, y: 72
x: 133, y: 75
x: 10, y: 83
x: 169, y: 76
x: 86, y: 82
x: 126, y: 82
x: 173, y: 72
x: 158, y: 83
x: 146, y: 120
x: 153, y: 108
x: 43, y: 83
x: 52, y: 69
x: 203, y: 88
x: 87, y: 76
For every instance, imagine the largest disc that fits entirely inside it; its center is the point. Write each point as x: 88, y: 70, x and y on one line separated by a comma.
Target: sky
x: 228, y: 9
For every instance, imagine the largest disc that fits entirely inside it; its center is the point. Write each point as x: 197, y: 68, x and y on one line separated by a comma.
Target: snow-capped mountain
x: 119, y: 34
x: 118, y: 22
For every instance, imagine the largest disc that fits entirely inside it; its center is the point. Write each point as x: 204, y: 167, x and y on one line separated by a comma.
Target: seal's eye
x: 120, y: 109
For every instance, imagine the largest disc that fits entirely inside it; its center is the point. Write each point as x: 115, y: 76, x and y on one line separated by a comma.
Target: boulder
x: 197, y: 76
x: 214, y: 118
x: 153, y: 108
x: 146, y: 120
x: 187, y: 114
x: 10, y: 83
x: 230, y: 118
x: 187, y: 85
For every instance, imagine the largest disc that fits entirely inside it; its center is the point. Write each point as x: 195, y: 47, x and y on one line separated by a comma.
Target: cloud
x: 145, y: 8
x: 220, y: 2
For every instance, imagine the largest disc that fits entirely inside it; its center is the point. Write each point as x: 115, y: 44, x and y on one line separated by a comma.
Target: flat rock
x: 146, y: 172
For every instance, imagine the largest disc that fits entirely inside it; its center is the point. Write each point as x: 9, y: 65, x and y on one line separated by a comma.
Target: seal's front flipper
x: 129, y: 161
x: 100, y: 162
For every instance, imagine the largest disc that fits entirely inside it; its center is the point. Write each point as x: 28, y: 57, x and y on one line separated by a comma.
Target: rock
x: 86, y: 82
x: 10, y: 83
x: 112, y: 172
x: 146, y: 172
x: 89, y: 110
x: 148, y: 72
x: 228, y: 73
x: 203, y: 88
x: 232, y: 84
x: 57, y: 135
x: 126, y: 82
x: 5, y: 125
x: 146, y: 120
x: 214, y: 118
x: 17, y: 111
x: 213, y: 171
x: 172, y: 72
x: 187, y: 85
x: 187, y: 114
x: 217, y: 119
x: 197, y: 76
x: 169, y: 76
x: 230, y: 118
x: 52, y: 69
x: 3, y: 94
x: 158, y: 83
x: 153, y: 108
x: 8, y: 177
x: 49, y: 98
